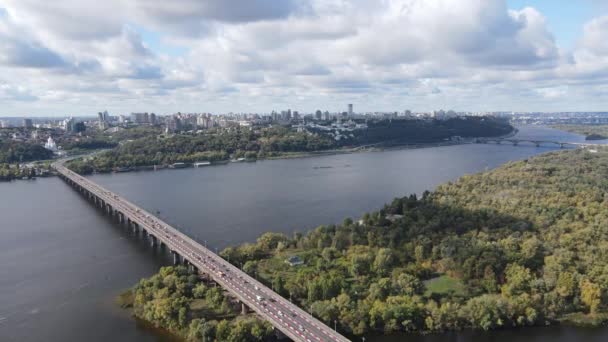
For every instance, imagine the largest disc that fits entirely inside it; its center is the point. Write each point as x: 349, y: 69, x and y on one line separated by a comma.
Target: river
x: 63, y: 262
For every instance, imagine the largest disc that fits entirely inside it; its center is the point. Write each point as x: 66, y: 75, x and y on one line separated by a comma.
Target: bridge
x: 285, y: 316
x: 537, y: 143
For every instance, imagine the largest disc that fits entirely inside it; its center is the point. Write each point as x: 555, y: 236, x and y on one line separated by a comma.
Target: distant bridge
x: 285, y: 316
x: 534, y: 142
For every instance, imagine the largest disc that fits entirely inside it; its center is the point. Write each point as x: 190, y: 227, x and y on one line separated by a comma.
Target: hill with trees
x: 220, y: 144
x: 20, y: 152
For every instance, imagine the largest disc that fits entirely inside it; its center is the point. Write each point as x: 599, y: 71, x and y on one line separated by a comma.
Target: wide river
x: 62, y: 262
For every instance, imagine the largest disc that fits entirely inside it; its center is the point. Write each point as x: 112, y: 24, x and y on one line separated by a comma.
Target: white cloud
x: 260, y: 54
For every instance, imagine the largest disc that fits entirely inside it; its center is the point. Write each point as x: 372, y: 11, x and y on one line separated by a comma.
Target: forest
x: 424, y: 131
x: 523, y: 245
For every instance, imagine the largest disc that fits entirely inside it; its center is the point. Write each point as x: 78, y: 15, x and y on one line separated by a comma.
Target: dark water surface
x: 62, y: 263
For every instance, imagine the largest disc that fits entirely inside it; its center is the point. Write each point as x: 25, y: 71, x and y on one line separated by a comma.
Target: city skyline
x: 225, y: 56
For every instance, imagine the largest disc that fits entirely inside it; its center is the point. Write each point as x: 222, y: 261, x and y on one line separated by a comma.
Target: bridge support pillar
x: 243, y: 309
x: 175, y: 258
x: 152, y: 241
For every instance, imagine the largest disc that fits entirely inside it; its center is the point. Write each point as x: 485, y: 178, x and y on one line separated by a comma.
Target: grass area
x: 591, y: 132
x: 125, y: 299
x: 444, y: 285
x: 201, y: 308
x: 585, y: 320
x: 269, y: 268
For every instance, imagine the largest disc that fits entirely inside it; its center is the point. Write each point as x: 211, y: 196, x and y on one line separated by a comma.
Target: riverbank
x: 380, y: 147
x: 591, y: 132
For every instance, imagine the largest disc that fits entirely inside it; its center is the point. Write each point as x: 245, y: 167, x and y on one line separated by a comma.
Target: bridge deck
x: 282, y: 314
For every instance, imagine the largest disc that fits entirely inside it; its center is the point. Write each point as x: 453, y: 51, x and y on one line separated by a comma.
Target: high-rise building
x: 174, y: 124
x: 152, y: 119
x: 275, y: 116
x: 27, y: 123
x: 68, y: 124
x: 140, y: 118
x: 350, y: 109
x: 4, y: 124
x: 318, y: 115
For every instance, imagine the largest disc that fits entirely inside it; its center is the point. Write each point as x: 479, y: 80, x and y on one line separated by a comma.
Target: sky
x: 79, y: 57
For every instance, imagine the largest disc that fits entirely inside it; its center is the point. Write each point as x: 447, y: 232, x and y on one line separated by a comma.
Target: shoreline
x: 296, y: 155
x: 578, y: 319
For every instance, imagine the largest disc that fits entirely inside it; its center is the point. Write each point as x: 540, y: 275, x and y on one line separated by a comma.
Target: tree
x: 278, y: 284
x: 406, y: 284
x: 200, y: 330
x: 591, y: 295
x: 485, y: 312
x: 519, y: 280
x: 360, y: 265
x: 383, y: 260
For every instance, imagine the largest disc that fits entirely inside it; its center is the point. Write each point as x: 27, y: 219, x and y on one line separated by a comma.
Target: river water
x: 63, y: 262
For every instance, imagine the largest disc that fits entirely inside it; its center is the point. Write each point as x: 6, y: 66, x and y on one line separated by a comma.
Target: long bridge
x: 285, y: 316
x: 537, y: 143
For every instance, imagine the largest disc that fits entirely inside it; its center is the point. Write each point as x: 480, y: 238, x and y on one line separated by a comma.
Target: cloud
x: 220, y: 10
x: 86, y: 19
x: 22, y: 50
x: 595, y: 37
x: 16, y: 93
x: 193, y: 17
x: 259, y: 54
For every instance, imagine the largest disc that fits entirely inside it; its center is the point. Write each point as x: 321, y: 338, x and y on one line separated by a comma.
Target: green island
x: 591, y: 132
x: 522, y: 245
x: 262, y: 142
x: 177, y: 301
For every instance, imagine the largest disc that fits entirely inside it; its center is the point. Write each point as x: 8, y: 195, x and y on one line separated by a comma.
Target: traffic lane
x: 291, y: 316
x: 281, y: 313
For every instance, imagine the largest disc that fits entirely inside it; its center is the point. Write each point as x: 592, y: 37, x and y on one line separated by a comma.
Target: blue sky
x: 565, y: 18
x: 218, y: 56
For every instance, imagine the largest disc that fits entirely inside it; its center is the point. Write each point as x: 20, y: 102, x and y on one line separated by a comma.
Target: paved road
x: 282, y: 314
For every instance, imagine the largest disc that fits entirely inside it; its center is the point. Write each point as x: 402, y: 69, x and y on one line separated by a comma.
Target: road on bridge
x: 281, y: 313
